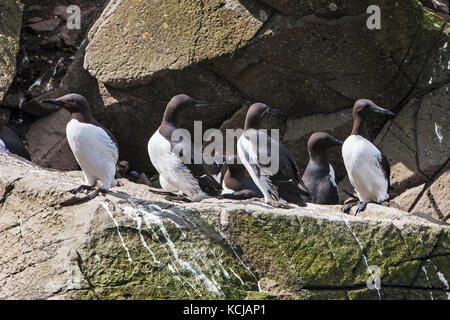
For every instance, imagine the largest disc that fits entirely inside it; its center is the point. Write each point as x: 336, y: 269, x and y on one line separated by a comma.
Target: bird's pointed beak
x: 382, y: 111
x: 199, y: 103
x: 53, y: 101
x: 274, y: 112
x: 338, y: 143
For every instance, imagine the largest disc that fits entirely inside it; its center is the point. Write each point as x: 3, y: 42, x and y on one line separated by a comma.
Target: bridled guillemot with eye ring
x: 279, y: 183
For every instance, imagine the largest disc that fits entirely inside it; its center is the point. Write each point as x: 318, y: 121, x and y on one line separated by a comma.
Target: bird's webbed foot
x: 346, y: 208
x: 362, y: 205
x: 80, y: 188
x: 94, y: 194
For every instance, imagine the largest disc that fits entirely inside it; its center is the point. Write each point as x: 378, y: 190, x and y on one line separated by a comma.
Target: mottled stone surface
x: 47, y: 142
x: 433, y: 131
x: 435, y: 200
x: 10, y: 25
x: 134, y: 244
x: 398, y: 141
x: 405, y: 201
x: 145, y: 38
x: 416, y: 143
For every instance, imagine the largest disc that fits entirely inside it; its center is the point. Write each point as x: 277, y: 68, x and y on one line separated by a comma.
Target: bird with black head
x: 367, y: 168
x: 269, y: 163
x: 174, y: 157
x: 94, y: 147
x: 319, y: 174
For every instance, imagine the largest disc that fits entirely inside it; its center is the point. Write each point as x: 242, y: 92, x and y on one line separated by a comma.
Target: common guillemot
x: 175, y: 176
x: 278, y: 183
x: 367, y: 168
x: 236, y: 182
x: 319, y: 175
x: 94, y: 147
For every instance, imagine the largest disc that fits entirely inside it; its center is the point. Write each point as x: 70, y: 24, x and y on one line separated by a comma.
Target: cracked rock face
x: 133, y: 244
x: 417, y: 146
x: 435, y: 200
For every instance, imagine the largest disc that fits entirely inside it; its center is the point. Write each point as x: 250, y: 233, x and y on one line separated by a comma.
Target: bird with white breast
x: 94, y: 147
x: 367, y: 168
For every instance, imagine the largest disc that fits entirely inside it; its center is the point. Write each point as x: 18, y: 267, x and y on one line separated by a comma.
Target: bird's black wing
x: 114, y: 140
x: 287, y: 179
x: 296, y: 171
x: 386, y: 168
x: 206, y: 182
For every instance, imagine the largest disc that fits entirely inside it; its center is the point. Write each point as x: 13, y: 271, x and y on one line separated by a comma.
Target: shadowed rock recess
x: 133, y: 244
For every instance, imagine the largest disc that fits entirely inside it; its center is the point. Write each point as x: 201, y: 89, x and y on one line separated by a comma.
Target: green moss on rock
x: 314, y: 254
x: 10, y: 26
x: 165, y: 260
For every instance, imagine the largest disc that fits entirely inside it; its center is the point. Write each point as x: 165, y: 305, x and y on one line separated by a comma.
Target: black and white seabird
x: 367, y: 168
x: 11, y: 143
x: 94, y: 147
x: 279, y: 184
x: 319, y: 175
x: 236, y: 182
x: 176, y: 176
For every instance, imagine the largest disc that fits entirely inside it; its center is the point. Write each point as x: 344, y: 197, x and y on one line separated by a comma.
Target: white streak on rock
x: 444, y: 281
x: 362, y: 253
x: 438, y: 130
x: 105, y: 206
x: 132, y: 214
x: 236, y: 275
